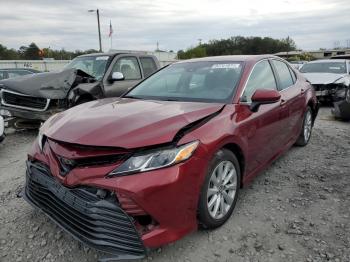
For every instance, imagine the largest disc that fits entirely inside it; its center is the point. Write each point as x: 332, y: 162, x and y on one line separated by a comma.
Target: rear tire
x: 220, y: 190
x: 306, y: 130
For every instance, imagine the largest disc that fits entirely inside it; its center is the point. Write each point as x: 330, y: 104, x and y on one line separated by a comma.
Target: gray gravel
x: 297, y: 210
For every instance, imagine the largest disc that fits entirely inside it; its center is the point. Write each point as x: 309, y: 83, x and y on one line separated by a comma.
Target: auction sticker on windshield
x: 216, y: 66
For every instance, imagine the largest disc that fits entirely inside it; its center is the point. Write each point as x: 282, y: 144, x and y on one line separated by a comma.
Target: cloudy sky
x: 139, y: 24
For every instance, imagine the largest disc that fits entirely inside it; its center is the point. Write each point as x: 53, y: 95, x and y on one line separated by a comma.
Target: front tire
x: 306, y: 130
x: 220, y: 190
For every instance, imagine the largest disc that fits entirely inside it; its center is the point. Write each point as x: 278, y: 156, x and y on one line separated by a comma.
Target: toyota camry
x: 125, y: 175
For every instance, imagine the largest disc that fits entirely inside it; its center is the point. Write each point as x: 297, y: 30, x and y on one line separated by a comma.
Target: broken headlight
x: 156, y: 159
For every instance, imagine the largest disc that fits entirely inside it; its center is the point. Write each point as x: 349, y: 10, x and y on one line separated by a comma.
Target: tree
x: 8, y: 54
x: 32, y: 52
x: 239, y: 45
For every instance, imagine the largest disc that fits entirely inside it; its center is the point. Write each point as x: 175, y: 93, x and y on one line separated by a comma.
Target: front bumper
x: 31, y: 115
x: 97, y: 222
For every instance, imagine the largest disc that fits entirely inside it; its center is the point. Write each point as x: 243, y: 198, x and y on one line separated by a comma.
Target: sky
x: 175, y: 25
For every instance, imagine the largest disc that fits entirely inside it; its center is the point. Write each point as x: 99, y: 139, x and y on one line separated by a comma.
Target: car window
x: 148, y: 65
x: 17, y: 73
x: 283, y: 73
x: 129, y: 67
x: 92, y: 65
x: 335, y: 67
x: 294, y: 77
x: 192, y: 81
x: 261, y: 78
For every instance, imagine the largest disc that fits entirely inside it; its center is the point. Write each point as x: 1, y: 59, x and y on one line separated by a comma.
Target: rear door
x: 129, y: 66
x: 292, y: 100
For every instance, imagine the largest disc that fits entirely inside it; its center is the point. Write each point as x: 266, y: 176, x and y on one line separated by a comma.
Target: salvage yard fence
x: 41, y: 65
x: 164, y: 58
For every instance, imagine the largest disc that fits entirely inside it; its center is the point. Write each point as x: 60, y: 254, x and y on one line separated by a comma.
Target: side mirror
x: 117, y: 76
x: 263, y: 97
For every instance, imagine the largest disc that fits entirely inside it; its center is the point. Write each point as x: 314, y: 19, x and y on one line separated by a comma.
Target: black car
x: 33, y: 99
x: 6, y: 73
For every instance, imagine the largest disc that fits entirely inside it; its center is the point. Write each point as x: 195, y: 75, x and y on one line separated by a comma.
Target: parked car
x: 35, y: 98
x: 127, y: 174
x: 6, y: 73
x: 297, y: 64
x: 2, y: 129
x: 346, y: 56
x: 330, y: 78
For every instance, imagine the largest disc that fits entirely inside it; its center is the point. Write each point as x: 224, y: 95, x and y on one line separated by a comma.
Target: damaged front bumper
x: 330, y: 92
x: 96, y: 221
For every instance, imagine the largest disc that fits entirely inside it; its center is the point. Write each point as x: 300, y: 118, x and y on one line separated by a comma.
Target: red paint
x: 170, y: 195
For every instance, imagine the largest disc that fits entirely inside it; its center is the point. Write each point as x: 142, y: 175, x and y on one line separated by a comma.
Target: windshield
x: 93, y: 65
x: 326, y: 67
x: 192, y: 81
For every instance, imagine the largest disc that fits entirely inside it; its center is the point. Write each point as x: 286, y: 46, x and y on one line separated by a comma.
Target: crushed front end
x: 125, y: 215
x: 330, y: 92
x: 91, y: 215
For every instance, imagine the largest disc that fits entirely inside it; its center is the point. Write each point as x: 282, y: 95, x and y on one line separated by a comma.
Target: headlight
x: 343, y: 80
x: 156, y: 159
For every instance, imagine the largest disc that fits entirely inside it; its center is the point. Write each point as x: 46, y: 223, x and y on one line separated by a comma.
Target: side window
x: 283, y: 73
x: 14, y: 73
x: 148, y: 65
x: 129, y: 67
x: 294, y: 77
x: 261, y: 78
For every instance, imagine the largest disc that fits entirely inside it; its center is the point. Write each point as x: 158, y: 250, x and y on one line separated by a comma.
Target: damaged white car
x: 330, y: 78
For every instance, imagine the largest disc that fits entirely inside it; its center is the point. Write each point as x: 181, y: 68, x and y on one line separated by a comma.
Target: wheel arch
x: 237, y: 150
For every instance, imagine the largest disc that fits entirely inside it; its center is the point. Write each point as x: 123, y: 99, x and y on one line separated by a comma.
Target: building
x: 318, y: 54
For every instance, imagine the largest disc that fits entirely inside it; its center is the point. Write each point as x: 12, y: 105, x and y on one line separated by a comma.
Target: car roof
x: 231, y: 58
x: 114, y: 54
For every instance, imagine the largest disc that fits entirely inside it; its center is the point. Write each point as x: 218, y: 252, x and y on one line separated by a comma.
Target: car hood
x: 125, y: 123
x: 322, y: 78
x: 52, y: 85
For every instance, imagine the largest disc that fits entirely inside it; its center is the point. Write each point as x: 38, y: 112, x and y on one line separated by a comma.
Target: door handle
x: 283, y: 102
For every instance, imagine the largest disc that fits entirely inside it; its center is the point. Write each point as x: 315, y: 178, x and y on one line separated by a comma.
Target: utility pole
x: 98, y: 26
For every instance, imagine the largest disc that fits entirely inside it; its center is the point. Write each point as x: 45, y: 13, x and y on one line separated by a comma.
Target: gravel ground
x: 297, y: 210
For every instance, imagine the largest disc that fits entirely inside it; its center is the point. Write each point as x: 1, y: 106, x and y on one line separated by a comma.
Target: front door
x: 260, y: 130
x: 127, y: 65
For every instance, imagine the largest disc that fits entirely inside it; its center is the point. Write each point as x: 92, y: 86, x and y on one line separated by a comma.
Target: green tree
x: 239, y: 45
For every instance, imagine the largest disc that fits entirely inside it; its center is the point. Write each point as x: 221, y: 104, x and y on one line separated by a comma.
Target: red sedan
x: 128, y: 174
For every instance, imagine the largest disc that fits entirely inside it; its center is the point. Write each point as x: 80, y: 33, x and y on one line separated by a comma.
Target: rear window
x: 148, y: 65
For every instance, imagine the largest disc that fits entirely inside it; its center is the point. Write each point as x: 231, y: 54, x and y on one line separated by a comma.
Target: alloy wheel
x: 307, y: 126
x: 221, y: 189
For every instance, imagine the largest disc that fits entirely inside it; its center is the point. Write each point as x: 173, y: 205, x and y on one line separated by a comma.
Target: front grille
x: 24, y: 101
x: 100, y: 223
